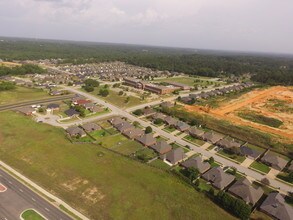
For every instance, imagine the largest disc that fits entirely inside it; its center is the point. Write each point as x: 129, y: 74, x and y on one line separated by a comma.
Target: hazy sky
x: 248, y: 25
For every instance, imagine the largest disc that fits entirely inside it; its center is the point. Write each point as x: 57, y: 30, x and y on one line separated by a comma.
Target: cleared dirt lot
x: 257, y: 102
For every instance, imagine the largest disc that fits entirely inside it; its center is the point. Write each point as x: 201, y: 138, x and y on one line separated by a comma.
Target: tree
x: 91, y: 83
x: 104, y: 92
x: 138, y: 112
x: 120, y: 93
x: 148, y: 130
x: 136, y: 124
x: 127, y: 99
x: 211, y: 160
x: 192, y: 173
x: 88, y: 88
x: 265, y: 181
x: 158, y: 121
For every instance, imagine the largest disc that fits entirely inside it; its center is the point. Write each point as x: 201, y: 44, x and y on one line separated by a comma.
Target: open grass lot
x: 160, y: 164
x: 194, y: 140
x: 235, y: 157
x: 21, y: 94
x: 260, y: 166
x: 119, y: 101
x: 31, y: 215
x: 261, y: 119
x: 190, y: 81
x: 101, y: 184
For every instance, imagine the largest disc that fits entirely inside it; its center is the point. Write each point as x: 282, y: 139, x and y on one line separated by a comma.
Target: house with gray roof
x: 116, y: 121
x: 248, y: 152
x: 167, y: 105
x: 275, y: 206
x: 212, y: 137
x: 146, y: 140
x: 195, y: 132
x: 27, y: 110
x: 290, y: 168
x: 159, y: 116
x: 182, y: 126
x: 228, y: 144
x: 218, y: 178
x: 75, y: 132
x: 53, y: 107
x: 171, y: 121
x: 175, y: 156
x: 133, y: 133
x: 124, y: 126
x: 244, y: 190
x: 161, y: 147
x: 197, y: 163
x: 89, y: 127
x: 148, y: 111
x: 274, y: 161
x: 71, y: 112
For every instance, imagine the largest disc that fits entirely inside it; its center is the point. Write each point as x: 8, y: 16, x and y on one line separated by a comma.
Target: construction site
x: 274, y: 104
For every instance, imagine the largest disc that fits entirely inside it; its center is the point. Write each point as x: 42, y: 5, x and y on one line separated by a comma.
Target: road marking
x: 20, y: 190
x: 47, y: 209
x: 10, y: 182
x: 33, y: 199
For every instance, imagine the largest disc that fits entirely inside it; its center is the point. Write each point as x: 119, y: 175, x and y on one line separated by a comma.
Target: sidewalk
x: 43, y: 191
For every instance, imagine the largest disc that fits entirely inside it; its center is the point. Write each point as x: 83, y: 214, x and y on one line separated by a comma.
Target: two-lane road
x: 19, y: 197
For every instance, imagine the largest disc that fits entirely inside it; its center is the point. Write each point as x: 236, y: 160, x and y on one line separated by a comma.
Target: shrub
x: 148, y: 130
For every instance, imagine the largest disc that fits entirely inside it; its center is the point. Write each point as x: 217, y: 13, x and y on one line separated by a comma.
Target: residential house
x: 186, y: 100
x: 146, y: 140
x: 229, y: 145
x: 175, y: 156
x: 71, y: 112
x: 82, y: 102
x: 116, y: 121
x: 244, y: 190
x: 196, y: 133
x: 182, y: 126
x: 170, y: 121
x: 159, y: 116
x: 148, y: 111
x: 197, y: 163
x: 218, y: 178
x: 56, y: 92
x: 133, y: 133
x: 161, y: 147
x: 276, y: 207
x: 89, y: 127
x: 53, y: 107
x: 212, y: 137
x: 75, y: 132
x: 124, y: 126
x: 248, y: 152
x: 27, y: 110
x: 274, y: 161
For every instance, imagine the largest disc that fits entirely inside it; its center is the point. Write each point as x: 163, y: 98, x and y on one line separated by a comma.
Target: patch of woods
x: 4, y: 86
x: 261, y: 119
x: 21, y: 70
x: 264, y: 69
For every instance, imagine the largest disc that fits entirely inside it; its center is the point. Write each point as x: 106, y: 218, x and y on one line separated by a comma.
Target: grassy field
x: 119, y: 101
x: 21, y: 94
x: 31, y: 215
x: 260, y: 166
x: 160, y: 164
x: 261, y: 119
x: 99, y: 183
x: 190, y: 81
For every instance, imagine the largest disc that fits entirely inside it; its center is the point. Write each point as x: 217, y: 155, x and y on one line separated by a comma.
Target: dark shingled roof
x: 71, y: 112
x: 175, y: 155
x: 196, y: 163
x: 275, y: 206
x: 274, y: 161
x: 243, y: 189
x: 212, y: 137
x: 91, y: 127
x: 161, y: 147
x: 247, y: 151
x: 146, y: 139
x: 218, y: 177
x: 195, y: 132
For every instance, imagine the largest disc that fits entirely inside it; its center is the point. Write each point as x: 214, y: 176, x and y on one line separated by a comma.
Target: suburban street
x: 122, y: 113
x: 17, y: 198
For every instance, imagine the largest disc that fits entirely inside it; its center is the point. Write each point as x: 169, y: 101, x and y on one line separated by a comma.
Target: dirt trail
x: 226, y: 112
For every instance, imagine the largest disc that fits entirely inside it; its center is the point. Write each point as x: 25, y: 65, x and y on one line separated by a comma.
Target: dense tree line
x: 264, y: 68
x: 20, y: 70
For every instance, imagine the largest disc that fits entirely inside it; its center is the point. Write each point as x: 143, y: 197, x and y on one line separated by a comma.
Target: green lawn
x: 232, y: 156
x: 260, y: 166
x: 21, y: 94
x: 203, y: 185
x: 169, y: 129
x: 83, y: 139
x: 194, y: 140
x: 31, y: 215
x: 160, y: 164
x: 285, y: 177
x: 119, y: 101
x: 97, y: 182
x: 99, y: 134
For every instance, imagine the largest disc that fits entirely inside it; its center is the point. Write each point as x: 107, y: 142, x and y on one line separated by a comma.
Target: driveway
x: 247, y: 162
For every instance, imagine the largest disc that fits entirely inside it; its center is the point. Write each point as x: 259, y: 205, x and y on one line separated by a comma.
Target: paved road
x: 34, y: 102
x: 255, y: 175
x: 18, y: 198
